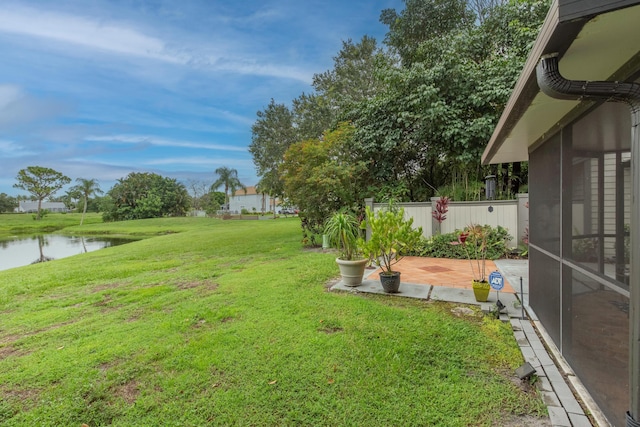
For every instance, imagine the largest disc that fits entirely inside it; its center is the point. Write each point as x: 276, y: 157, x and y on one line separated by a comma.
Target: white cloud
x: 18, y: 108
x: 11, y: 149
x: 83, y: 31
x: 226, y: 55
x: 161, y: 142
x: 199, y: 161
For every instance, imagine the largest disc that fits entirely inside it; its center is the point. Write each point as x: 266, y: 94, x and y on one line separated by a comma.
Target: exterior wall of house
x: 29, y: 206
x: 252, y: 202
x: 580, y: 204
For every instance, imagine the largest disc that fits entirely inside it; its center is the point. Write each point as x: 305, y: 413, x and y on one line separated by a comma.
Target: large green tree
x: 227, y: 178
x: 423, y: 21
x: 87, y: 188
x: 145, y: 195
x: 40, y: 182
x: 272, y: 133
x: 321, y: 176
x: 433, y: 119
x: 353, y: 76
x: 7, y: 203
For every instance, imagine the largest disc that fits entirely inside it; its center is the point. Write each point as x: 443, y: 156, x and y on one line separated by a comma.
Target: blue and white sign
x: 496, y: 281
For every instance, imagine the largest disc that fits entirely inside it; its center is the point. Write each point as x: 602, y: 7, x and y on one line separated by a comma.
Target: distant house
x: 30, y: 206
x: 250, y: 200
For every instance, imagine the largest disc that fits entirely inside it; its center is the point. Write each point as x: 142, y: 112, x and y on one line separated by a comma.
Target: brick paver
x: 452, y: 273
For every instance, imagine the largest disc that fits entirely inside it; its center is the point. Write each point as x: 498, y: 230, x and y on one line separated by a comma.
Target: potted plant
x: 343, y: 232
x: 474, y: 240
x: 391, y: 238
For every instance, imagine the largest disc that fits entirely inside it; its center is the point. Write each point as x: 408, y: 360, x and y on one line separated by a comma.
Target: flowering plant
x: 442, y: 207
x: 474, y: 240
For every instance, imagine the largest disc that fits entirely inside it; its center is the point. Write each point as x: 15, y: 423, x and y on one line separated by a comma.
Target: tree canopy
x: 146, y: 195
x: 40, y: 182
x: 421, y: 111
x: 320, y: 177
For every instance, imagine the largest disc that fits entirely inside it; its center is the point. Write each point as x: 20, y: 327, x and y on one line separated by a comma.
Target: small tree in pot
x: 474, y: 240
x: 392, y: 237
x: 343, y: 232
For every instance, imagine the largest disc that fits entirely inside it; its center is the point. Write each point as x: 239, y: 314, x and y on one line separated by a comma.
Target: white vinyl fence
x: 510, y: 214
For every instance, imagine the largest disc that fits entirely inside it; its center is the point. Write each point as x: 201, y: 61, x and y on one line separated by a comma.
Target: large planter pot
x: 481, y: 290
x: 352, y: 270
x: 390, y: 281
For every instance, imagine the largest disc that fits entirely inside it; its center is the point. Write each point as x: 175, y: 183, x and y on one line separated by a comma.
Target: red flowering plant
x: 442, y: 207
x: 474, y: 240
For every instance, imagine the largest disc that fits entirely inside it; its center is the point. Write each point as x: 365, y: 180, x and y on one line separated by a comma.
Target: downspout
x: 554, y: 85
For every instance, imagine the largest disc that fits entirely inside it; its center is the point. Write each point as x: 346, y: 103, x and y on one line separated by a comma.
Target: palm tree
x: 88, y: 188
x: 229, y: 178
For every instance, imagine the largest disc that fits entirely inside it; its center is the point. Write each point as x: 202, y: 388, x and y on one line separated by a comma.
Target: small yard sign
x: 496, y: 281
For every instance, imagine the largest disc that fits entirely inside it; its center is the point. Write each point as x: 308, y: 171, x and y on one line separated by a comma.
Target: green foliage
x: 392, y: 236
x: 271, y: 135
x: 422, y: 21
x: 145, y: 195
x: 43, y: 213
x: 40, y: 182
x: 463, y: 191
x: 7, y: 203
x: 227, y: 178
x: 343, y: 231
x: 321, y: 177
x: 85, y: 189
x: 440, y: 246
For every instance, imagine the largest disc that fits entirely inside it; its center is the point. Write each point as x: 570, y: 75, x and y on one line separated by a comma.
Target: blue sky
x: 99, y: 89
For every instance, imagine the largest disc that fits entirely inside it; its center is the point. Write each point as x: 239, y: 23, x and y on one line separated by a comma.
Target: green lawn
x: 230, y: 323
x: 12, y: 224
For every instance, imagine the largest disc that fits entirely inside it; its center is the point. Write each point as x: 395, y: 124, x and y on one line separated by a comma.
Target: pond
x: 24, y: 250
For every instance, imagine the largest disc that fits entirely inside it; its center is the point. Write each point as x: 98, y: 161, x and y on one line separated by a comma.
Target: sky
x: 98, y: 89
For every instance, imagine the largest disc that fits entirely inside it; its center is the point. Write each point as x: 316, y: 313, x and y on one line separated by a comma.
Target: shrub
x: 439, y: 246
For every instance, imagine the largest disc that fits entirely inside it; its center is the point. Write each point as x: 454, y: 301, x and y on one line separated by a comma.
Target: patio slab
x: 373, y: 286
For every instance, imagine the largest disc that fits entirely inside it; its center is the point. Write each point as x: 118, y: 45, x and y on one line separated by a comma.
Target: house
x: 31, y: 206
x: 584, y: 184
x: 250, y: 200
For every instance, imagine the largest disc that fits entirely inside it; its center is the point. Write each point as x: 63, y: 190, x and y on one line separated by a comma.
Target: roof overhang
x: 600, y: 47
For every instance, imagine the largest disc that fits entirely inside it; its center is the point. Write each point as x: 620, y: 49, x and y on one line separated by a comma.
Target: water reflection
x: 18, y: 251
x: 41, y: 242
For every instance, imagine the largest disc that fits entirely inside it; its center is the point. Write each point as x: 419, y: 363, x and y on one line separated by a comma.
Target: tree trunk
x: 84, y: 211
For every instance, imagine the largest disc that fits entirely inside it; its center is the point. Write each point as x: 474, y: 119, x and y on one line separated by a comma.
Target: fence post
x: 368, y: 202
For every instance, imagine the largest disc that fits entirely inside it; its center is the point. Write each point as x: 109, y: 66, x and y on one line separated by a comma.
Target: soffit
x: 599, y: 51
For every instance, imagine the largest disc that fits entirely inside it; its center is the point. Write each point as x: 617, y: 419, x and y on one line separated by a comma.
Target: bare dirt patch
x: 524, y: 421
x: 129, y: 392
x: 22, y: 398
x: 204, y: 285
x: 9, y: 351
x: 330, y: 330
x: 105, y: 287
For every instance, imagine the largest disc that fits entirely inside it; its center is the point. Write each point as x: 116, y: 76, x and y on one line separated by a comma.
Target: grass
x: 12, y: 224
x: 229, y: 323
